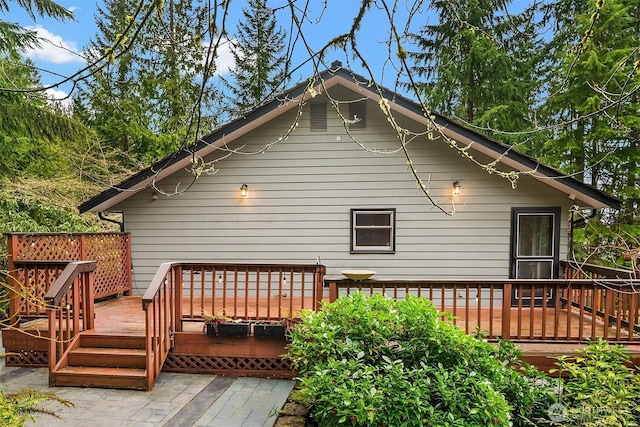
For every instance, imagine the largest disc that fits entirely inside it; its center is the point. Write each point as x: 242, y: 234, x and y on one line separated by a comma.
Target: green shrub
x: 372, y: 361
x: 16, y: 408
x: 599, y: 387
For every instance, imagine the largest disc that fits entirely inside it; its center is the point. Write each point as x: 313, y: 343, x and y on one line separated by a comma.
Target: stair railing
x: 70, y: 310
x: 158, y: 304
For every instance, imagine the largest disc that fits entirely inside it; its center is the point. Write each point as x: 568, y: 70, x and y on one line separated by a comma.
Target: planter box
x: 230, y: 329
x: 269, y: 330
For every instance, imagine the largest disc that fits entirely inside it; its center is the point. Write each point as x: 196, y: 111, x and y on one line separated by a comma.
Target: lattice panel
x: 110, y: 252
x: 261, y: 366
x: 33, y: 284
x: 24, y: 358
x: 48, y: 247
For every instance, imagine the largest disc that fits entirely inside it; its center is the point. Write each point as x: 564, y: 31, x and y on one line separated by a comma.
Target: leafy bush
x: 599, y: 387
x: 372, y: 361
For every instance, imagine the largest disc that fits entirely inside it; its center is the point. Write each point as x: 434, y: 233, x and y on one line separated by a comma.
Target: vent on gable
x: 358, y: 112
x: 318, y: 116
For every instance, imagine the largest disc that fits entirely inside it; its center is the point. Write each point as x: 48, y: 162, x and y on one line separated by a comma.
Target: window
x: 318, y: 116
x: 358, y: 112
x: 373, y: 230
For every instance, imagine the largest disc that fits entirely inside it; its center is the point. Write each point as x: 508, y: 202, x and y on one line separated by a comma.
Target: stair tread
x: 113, y: 341
x: 110, y: 350
x: 94, y: 371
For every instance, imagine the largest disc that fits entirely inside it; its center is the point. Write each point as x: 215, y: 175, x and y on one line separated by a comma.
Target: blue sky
x: 62, y: 54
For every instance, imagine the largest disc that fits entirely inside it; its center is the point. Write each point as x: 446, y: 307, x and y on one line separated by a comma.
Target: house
x: 320, y: 187
x: 258, y: 220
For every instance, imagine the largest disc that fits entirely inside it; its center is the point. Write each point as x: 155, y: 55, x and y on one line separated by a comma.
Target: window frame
x: 385, y: 249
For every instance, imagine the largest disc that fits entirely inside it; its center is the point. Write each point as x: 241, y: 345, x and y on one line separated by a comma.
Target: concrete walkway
x: 177, y: 400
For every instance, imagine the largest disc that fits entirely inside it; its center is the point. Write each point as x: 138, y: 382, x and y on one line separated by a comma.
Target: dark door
x: 535, y: 241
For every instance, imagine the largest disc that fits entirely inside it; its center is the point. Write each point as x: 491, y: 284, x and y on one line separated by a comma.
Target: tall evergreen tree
x: 477, y: 63
x: 261, y: 67
x: 148, y: 99
x: 16, y: 38
x: 591, y: 88
x: 33, y: 134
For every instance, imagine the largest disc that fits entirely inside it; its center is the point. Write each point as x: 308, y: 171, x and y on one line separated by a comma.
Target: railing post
x: 633, y: 315
x: 176, y: 272
x: 88, y: 309
x: 150, y: 351
x: 318, y: 284
x: 53, y: 341
x: 333, y: 291
x: 127, y: 260
x: 566, y: 270
x: 506, y: 311
x: 14, y: 300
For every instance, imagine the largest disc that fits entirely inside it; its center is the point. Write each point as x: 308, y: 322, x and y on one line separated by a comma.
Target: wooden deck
x: 124, y: 316
x: 194, y: 351
x: 126, y: 342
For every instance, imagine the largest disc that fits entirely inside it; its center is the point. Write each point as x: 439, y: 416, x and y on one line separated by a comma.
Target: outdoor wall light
x: 456, y: 188
x: 244, y: 190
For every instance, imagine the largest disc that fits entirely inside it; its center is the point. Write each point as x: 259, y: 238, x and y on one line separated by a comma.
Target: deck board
x: 124, y: 316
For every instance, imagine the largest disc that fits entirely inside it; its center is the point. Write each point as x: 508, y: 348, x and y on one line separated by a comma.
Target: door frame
x: 556, y: 213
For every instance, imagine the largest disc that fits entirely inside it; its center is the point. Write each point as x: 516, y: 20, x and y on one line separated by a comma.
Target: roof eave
x: 329, y: 78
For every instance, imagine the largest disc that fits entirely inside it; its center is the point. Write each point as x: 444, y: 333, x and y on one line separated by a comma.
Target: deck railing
x: 185, y: 292
x: 70, y: 310
x: 35, y: 260
x: 577, y: 270
x: 158, y: 303
x: 617, y: 293
x: 249, y: 291
x: 561, y: 310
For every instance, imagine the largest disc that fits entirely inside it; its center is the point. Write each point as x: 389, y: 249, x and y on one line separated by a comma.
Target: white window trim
x: 387, y: 249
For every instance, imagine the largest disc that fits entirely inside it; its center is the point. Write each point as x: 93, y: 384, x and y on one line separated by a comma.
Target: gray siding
x: 300, y: 195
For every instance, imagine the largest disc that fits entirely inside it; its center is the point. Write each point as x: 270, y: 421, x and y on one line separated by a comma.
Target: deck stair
x: 109, y: 361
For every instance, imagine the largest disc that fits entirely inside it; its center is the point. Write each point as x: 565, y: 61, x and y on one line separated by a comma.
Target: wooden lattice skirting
x: 27, y: 358
x: 229, y: 365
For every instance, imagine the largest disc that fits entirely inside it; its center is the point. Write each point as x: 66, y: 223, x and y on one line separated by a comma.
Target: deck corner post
x: 177, y: 290
x: 129, y: 264
x: 14, y: 300
x: 53, y: 340
x: 150, y: 350
x: 88, y: 309
x: 506, y: 311
x: 319, y: 287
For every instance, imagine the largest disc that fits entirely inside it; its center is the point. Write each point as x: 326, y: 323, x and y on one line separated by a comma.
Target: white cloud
x: 225, y: 61
x: 59, y: 98
x: 73, y: 8
x: 54, y: 49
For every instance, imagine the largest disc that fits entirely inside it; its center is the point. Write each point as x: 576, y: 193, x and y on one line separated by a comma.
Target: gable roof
x: 398, y: 103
